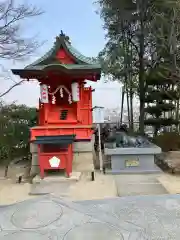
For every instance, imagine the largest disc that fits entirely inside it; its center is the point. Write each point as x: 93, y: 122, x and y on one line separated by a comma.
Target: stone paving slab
x: 103, y: 187
x: 141, y: 184
x: 139, y: 178
x: 126, y: 218
x: 141, y: 189
x: 44, y: 187
x: 75, y: 176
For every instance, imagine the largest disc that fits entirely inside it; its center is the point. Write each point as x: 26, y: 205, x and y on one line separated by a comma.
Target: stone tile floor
x: 103, y: 187
x: 126, y: 218
x: 118, y: 185
x: 139, y: 184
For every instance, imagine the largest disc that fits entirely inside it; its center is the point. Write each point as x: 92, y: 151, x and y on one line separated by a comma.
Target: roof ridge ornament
x: 63, y: 36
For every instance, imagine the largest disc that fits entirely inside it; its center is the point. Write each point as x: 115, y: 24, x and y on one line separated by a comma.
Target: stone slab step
x: 133, y: 185
x: 43, y: 188
x: 75, y: 176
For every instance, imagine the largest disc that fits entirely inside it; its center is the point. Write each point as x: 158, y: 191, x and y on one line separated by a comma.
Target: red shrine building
x: 63, y: 137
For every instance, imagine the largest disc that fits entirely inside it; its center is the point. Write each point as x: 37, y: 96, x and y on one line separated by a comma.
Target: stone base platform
x: 133, y: 160
x: 154, y: 170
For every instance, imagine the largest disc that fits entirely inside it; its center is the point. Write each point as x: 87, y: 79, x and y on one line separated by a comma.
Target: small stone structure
x: 133, y: 160
x: 129, y: 153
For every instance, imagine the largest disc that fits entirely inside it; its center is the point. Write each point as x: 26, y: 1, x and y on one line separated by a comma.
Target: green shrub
x: 169, y: 141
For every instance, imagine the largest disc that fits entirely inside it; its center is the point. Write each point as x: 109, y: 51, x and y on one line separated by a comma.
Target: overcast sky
x: 77, y: 19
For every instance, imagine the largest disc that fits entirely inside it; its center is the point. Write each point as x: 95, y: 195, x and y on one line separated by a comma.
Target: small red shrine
x: 65, y: 104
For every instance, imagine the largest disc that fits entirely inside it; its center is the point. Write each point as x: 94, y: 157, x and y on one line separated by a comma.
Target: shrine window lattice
x: 63, y: 114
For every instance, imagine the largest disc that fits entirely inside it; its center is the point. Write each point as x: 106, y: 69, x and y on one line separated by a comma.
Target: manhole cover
x: 25, y: 235
x: 36, y: 215
x: 89, y: 231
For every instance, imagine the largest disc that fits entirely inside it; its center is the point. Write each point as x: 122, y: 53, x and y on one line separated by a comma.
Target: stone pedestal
x: 34, y: 162
x: 133, y: 160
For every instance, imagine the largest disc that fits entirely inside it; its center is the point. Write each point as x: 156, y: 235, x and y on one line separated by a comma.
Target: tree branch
x: 13, y: 86
x: 12, y: 44
x: 134, y: 45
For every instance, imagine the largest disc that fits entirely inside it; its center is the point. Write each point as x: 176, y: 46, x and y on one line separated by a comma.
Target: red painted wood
x: 63, y: 57
x: 81, y: 133
x: 65, y: 156
x: 78, y: 121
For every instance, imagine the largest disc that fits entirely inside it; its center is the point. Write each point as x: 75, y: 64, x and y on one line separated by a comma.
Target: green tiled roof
x: 43, y: 58
x: 78, y: 55
x: 65, y: 66
x: 82, y: 65
x: 62, y: 41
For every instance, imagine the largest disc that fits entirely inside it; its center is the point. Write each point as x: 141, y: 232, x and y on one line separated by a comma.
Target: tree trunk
x: 131, y: 94
x: 141, y: 72
x: 128, y: 108
x: 6, y: 169
x: 156, y: 131
x: 177, y: 112
x: 141, y: 98
x: 131, y: 109
x: 122, y: 105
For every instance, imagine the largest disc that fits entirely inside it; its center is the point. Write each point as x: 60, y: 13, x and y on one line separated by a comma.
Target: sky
x: 79, y: 20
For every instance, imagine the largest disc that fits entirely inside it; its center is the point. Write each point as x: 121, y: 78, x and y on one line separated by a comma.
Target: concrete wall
x: 83, y: 146
x: 83, y: 162
x: 83, y: 156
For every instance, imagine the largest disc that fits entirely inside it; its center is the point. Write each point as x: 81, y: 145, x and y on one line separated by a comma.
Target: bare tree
x: 13, y: 46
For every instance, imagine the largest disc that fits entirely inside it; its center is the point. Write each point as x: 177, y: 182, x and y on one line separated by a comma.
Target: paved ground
x: 52, y: 217
x: 12, y: 192
x: 104, y: 186
x: 129, y: 218
x: 84, y: 189
x: 170, y: 182
x: 140, y: 184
